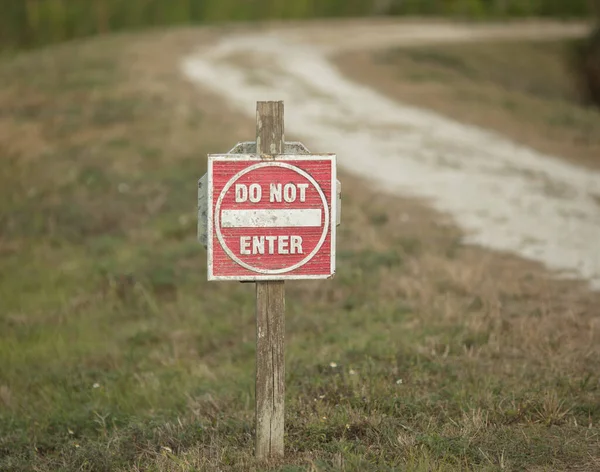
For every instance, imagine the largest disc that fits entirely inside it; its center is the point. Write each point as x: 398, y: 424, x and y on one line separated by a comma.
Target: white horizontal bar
x: 270, y: 218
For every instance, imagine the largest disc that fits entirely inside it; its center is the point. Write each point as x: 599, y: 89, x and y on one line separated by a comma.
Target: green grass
x: 117, y: 354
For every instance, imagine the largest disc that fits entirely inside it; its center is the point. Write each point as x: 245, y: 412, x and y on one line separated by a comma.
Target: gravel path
x: 503, y: 195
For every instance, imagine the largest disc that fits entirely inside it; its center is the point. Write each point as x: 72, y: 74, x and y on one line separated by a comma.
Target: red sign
x: 271, y: 219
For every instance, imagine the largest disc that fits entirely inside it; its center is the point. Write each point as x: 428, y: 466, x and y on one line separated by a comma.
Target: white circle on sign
x: 231, y: 254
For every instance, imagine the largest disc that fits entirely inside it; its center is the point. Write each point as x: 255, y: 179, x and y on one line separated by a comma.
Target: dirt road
x: 503, y: 195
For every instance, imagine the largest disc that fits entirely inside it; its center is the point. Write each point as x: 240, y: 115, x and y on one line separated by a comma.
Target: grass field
x: 422, y: 354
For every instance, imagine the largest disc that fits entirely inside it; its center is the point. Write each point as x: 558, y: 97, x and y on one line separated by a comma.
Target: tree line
x: 31, y: 23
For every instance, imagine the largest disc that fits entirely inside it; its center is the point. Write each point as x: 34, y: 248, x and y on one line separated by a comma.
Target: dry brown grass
x: 523, y: 90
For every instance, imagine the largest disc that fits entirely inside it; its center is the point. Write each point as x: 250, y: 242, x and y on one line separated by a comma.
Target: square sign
x: 271, y: 219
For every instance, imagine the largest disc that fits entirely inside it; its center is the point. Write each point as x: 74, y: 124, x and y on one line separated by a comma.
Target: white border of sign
x: 331, y: 217
x: 217, y: 218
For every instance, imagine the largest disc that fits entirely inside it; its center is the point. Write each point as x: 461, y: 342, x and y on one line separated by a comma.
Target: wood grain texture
x: 270, y: 315
x: 269, y: 128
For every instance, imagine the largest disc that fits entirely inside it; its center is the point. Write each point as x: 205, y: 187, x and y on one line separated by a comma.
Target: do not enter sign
x: 271, y: 219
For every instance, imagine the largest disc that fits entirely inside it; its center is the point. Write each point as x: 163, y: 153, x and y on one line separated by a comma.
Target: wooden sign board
x: 271, y: 219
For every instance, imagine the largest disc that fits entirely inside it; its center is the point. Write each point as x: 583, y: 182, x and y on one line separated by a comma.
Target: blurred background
x: 31, y: 23
x: 26, y: 23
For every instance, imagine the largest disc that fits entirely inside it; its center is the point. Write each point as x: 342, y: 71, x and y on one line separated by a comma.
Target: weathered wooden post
x: 267, y: 212
x: 270, y: 313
